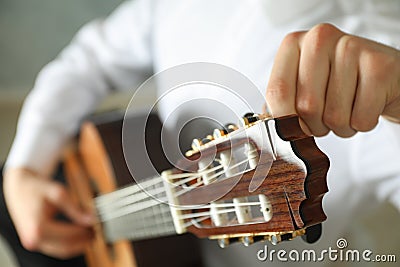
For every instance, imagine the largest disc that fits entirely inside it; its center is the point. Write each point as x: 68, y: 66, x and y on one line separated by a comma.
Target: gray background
x: 33, y: 32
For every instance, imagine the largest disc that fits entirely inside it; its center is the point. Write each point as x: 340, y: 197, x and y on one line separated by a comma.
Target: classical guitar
x: 261, y: 181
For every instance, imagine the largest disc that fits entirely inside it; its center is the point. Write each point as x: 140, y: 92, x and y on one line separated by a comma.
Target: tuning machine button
x: 207, y: 139
x: 247, y: 240
x: 196, y: 144
x: 228, y: 128
x: 218, y: 133
x: 224, y: 242
x: 249, y: 118
x: 275, y: 239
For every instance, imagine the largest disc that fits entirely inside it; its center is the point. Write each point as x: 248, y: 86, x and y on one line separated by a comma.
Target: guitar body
x: 96, y: 166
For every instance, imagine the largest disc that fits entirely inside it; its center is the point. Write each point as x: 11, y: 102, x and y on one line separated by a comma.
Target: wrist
x: 392, y: 109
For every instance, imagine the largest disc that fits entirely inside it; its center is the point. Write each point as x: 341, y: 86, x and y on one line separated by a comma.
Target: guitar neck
x: 136, y: 212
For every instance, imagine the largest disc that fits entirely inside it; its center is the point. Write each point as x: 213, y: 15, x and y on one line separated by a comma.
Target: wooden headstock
x: 264, y: 180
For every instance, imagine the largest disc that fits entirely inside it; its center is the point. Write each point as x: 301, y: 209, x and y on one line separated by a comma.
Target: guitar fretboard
x: 138, y: 211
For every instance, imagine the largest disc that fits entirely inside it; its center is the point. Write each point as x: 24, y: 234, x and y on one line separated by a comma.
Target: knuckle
x: 307, y: 107
x: 362, y: 124
x: 321, y: 132
x: 344, y: 133
x: 348, y: 43
x: 334, y: 119
x: 321, y: 33
x: 323, y: 30
x: 291, y: 39
x: 347, y: 46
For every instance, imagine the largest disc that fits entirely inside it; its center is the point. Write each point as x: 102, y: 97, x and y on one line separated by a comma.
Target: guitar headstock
x: 261, y: 180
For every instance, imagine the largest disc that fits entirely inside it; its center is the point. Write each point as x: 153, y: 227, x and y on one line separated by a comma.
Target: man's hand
x: 33, y: 202
x: 334, y: 81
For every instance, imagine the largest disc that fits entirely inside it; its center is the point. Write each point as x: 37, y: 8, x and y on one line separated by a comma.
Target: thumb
x: 58, y: 195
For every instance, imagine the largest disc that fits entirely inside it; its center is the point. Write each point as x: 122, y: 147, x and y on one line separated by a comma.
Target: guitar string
x: 167, y: 222
x: 129, y: 207
x: 126, y: 229
x: 136, y: 231
x: 129, y: 230
x: 188, y: 177
x: 129, y: 190
x: 163, y: 225
x: 147, y: 214
x: 132, y: 189
x: 114, y: 215
x: 133, y: 199
x: 126, y: 191
x: 112, y: 198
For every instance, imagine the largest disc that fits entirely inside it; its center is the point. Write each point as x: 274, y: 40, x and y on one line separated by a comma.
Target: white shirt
x: 147, y: 36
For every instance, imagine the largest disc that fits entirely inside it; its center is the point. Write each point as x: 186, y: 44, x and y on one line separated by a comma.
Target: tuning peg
x: 218, y: 133
x: 249, y: 118
x: 247, y: 240
x: 275, y: 239
x: 207, y: 139
x: 230, y: 127
x: 196, y: 144
x: 248, y: 114
x: 223, y: 242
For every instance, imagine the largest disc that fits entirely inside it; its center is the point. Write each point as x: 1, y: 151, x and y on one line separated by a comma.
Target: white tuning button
x: 252, y: 155
x: 227, y: 162
x: 265, y: 207
x: 243, y: 212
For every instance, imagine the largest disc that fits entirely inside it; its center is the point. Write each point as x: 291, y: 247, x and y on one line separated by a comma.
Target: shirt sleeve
x: 113, y: 53
x: 375, y: 162
x: 389, y: 189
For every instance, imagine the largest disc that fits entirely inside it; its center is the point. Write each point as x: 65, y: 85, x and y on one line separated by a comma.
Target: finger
x: 342, y: 87
x: 60, y: 198
x: 281, y: 89
x: 369, y: 101
x: 56, y: 251
x: 65, y: 240
x: 64, y: 232
x: 314, y: 72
